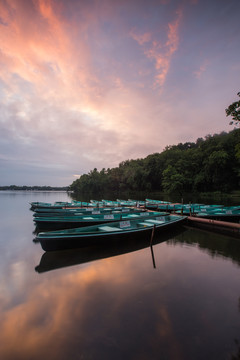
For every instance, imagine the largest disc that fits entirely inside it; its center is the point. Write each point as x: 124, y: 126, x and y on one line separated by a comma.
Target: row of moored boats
x: 74, y: 224
x: 65, y: 225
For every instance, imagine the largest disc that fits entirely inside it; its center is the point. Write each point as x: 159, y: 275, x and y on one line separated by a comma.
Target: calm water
x: 181, y: 301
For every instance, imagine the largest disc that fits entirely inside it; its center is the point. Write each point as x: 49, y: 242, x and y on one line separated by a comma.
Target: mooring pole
x: 153, y: 259
x: 153, y: 230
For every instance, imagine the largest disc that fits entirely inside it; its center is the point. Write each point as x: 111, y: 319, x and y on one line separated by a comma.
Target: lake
x: 179, y: 300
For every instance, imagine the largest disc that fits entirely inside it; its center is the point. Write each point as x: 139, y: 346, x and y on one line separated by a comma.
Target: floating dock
x: 215, y: 225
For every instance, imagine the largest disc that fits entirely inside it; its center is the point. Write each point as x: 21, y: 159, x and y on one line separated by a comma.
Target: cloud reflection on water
x: 122, y: 307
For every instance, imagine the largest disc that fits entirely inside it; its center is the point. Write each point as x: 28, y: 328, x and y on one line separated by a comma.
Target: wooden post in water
x: 153, y: 230
x: 153, y: 259
x: 152, y: 235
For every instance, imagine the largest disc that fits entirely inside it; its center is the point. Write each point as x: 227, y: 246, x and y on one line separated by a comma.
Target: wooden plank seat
x: 145, y: 224
x: 155, y: 221
x: 109, y: 228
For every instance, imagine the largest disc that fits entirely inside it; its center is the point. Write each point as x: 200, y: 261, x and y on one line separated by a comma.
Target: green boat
x: 39, y: 204
x: 164, y: 207
x: 151, y: 201
x: 104, y: 233
x: 193, y: 209
x: 58, y: 205
x: 68, y: 222
x: 53, y: 260
x: 83, y: 211
x: 137, y: 202
x: 230, y: 214
x: 128, y: 202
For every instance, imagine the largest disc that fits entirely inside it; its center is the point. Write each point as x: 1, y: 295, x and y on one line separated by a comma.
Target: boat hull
x: 52, y: 260
x: 69, y: 241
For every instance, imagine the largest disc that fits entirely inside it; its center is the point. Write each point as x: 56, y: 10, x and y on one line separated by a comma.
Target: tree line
x: 35, y: 188
x: 209, y: 164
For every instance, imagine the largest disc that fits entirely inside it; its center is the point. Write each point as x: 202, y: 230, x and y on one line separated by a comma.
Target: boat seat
x: 145, y: 224
x: 155, y: 221
x: 108, y: 228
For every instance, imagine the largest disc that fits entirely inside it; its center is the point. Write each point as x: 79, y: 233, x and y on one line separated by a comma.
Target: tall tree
x: 234, y: 111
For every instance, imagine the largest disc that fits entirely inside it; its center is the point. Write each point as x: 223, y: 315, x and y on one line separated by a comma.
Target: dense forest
x: 207, y: 165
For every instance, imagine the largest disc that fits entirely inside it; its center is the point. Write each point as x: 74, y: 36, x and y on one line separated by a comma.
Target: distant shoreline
x: 33, y: 188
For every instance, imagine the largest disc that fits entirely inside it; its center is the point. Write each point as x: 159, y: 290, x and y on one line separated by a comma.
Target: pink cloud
x: 198, y: 73
x: 140, y: 38
x: 37, y: 45
x: 160, y: 52
x: 73, y: 72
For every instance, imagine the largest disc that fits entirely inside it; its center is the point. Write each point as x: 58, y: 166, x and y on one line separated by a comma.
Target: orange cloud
x: 163, y: 54
x: 36, y: 44
x: 159, y: 52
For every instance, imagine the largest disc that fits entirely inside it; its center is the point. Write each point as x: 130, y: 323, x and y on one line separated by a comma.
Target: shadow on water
x: 214, y: 244
x: 58, y: 259
x: 237, y: 342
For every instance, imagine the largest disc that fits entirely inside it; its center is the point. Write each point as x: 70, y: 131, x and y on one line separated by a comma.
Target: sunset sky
x: 91, y: 83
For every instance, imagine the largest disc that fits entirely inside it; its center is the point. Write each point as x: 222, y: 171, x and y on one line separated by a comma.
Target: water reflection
x: 237, y: 356
x: 237, y: 342
x: 219, y: 245
x: 117, y: 305
x: 58, y: 259
x: 119, y: 308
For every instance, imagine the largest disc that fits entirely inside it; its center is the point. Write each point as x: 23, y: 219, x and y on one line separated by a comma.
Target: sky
x: 88, y: 84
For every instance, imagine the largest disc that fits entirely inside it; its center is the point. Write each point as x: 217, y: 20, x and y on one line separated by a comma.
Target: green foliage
x: 234, y: 111
x: 173, y: 181
x: 208, y: 165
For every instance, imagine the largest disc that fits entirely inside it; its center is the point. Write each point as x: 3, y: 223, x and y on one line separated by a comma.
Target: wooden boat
x: 59, y: 205
x: 164, y: 207
x: 179, y: 208
x: 157, y: 201
x: 129, y: 202
x: 37, y: 204
x: 83, y: 211
x: 97, y: 203
x: 110, y: 203
x: 138, y: 202
x: 231, y: 214
x: 67, y: 222
x: 53, y: 260
x: 193, y: 209
x: 118, y: 230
